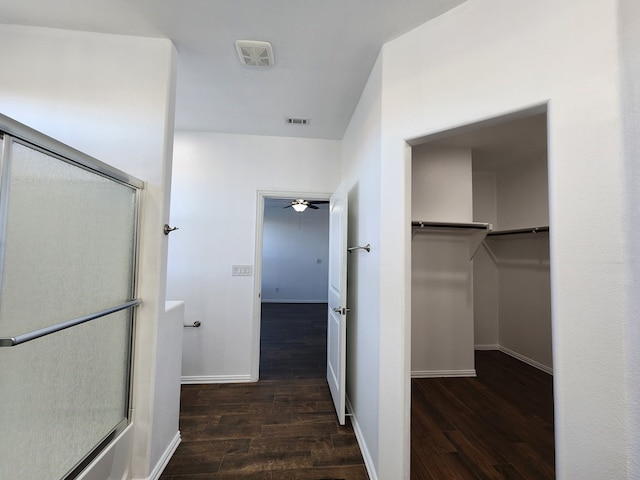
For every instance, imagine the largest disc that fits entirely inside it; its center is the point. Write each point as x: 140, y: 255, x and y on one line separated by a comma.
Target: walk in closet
x: 480, y: 247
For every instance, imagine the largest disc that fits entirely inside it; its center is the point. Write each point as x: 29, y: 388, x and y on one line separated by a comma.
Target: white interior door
x: 337, y: 316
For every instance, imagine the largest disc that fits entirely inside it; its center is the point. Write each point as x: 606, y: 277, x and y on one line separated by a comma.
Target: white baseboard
x: 518, y: 356
x: 487, y: 347
x: 364, y: 449
x: 166, y: 456
x: 527, y: 360
x: 442, y: 373
x: 188, y: 380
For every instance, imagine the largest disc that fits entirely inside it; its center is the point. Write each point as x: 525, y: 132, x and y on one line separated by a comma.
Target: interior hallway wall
x: 111, y: 97
x: 629, y: 18
x: 214, y: 203
x: 361, y: 177
x: 478, y: 63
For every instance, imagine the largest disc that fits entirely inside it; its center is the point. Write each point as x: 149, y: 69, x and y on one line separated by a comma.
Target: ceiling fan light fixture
x: 299, y: 207
x: 255, y: 53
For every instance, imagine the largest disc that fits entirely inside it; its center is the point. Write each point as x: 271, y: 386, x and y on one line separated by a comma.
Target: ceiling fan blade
x: 318, y: 202
x: 312, y: 206
x: 288, y: 206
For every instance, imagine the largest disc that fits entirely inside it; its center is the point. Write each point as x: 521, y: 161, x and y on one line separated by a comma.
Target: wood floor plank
x: 356, y: 472
x: 265, y: 475
x: 265, y: 461
x: 289, y: 444
x: 496, y: 426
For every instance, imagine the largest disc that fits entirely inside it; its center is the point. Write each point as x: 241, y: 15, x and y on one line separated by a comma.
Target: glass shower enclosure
x: 68, y: 241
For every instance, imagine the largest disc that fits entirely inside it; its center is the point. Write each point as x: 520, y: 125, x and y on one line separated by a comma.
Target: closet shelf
x: 517, y: 231
x: 477, y: 231
x: 451, y: 225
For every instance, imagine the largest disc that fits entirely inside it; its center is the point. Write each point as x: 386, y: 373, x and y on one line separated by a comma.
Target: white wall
x: 214, y: 203
x: 442, y: 327
x: 441, y: 184
x: 522, y: 194
x: 166, y: 397
x: 442, y: 324
x: 295, y: 250
x: 111, y: 97
x: 524, y: 303
x: 511, y: 273
x: 629, y: 17
x: 480, y: 61
x: 361, y: 173
x: 485, y: 271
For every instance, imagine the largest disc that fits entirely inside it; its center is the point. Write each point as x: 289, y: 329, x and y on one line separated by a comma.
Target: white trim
x: 517, y: 356
x: 291, y: 300
x: 443, y: 373
x: 364, y: 449
x: 166, y: 456
x: 189, y: 380
x: 527, y: 360
x: 114, y: 461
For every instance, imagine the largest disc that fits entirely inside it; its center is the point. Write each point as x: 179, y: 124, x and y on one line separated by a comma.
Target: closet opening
x: 481, y: 351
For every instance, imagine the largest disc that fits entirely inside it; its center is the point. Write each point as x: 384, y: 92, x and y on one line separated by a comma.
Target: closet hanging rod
x: 518, y: 231
x: 475, y: 225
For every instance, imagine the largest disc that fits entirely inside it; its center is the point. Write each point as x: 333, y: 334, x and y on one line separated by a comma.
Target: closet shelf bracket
x: 475, y: 240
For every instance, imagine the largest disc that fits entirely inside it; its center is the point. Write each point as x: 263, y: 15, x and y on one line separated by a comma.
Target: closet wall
x: 442, y: 275
x: 500, y: 299
x: 512, y: 304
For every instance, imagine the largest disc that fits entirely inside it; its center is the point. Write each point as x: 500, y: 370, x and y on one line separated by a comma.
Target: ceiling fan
x: 300, y: 205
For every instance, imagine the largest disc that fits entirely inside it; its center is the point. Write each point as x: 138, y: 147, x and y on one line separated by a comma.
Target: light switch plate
x: 242, y: 270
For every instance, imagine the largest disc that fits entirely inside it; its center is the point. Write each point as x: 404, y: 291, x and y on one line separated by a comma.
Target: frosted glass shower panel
x: 61, y: 395
x: 67, y: 251
x: 69, y: 242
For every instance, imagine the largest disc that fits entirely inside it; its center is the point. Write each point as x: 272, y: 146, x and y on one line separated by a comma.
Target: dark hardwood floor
x: 293, y: 340
x: 283, y: 427
x: 496, y: 426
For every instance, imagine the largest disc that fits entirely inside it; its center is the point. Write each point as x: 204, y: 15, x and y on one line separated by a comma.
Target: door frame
x: 262, y: 195
x: 470, y: 126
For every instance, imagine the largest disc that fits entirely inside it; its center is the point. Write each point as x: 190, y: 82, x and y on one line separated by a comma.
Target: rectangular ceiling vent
x: 297, y: 121
x: 254, y: 53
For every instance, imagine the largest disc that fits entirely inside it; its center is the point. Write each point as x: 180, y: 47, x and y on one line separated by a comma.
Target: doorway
x: 291, y: 278
x: 481, y: 298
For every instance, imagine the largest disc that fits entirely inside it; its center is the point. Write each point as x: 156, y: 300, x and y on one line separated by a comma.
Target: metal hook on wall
x: 167, y: 229
x: 367, y: 247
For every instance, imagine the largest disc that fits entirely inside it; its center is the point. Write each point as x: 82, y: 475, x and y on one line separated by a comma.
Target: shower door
x: 67, y: 296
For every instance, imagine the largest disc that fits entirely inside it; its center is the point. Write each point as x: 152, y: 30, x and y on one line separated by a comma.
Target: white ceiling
x: 500, y: 143
x: 324, y: 51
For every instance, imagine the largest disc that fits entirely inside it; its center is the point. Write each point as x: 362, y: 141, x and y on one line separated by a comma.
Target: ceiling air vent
x: 255, y: 54
x: 297, y: 121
